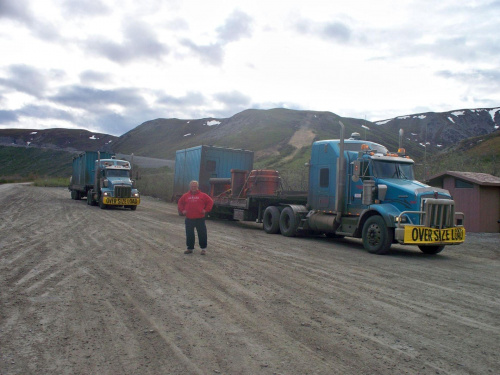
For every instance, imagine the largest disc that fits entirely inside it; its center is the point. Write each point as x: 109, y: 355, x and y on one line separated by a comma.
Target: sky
x: 108, y: 66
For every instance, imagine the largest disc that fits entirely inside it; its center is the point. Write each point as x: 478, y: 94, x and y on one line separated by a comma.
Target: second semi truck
x: 103, y: 180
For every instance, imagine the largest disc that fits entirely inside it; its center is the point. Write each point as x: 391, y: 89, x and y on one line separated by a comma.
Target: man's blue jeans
x: 201, y: 229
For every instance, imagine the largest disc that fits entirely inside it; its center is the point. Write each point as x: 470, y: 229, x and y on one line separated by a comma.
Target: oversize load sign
x: 121, y: 201
x: 424, y: 235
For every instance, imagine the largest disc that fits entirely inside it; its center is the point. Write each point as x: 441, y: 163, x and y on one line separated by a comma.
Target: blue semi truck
x: 103, y: 180
x: 356, y: 189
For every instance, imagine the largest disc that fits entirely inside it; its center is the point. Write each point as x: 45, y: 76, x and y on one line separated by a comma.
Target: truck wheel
x: 377, y: 238
x: 73, y: 194
x: 133, y: 208
x: 288, y: 222
x: 102, y: 205
x: 271, y: 220
x: 429, y: 249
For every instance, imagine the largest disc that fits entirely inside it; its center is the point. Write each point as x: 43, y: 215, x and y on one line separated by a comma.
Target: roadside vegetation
x: 155, y: 182
x: 53, y: 168
x: 14, y: 179
x: 26, y: 162
x: 52, y: 182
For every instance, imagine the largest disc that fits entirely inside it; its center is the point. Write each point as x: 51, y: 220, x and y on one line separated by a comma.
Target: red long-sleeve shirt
x: 195, y: 204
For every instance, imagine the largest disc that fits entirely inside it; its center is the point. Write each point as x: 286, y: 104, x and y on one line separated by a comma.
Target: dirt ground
x: 91, y: 291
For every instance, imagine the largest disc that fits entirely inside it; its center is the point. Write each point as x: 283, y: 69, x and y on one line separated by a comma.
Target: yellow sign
x: 424, y: 235
x: 121, y: 201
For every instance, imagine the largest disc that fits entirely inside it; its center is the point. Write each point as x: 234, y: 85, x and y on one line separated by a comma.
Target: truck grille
x: 438, y: 213
x: 123, y: 191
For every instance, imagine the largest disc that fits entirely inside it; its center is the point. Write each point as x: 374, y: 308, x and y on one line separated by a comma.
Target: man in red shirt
x: 194, y: 205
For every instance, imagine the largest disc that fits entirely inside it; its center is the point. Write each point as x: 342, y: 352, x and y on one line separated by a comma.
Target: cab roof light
x: 365, y: 147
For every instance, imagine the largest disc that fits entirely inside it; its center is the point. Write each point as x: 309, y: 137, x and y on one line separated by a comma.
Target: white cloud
x: 109, y: 66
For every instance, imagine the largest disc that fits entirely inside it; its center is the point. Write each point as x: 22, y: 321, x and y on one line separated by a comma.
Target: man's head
x: 193, y: 186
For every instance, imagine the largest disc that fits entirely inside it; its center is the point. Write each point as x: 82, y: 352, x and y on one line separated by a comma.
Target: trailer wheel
x: 271, y: 220
x: 377, y: 238
x: 429, y: 249
x: 288, y: 222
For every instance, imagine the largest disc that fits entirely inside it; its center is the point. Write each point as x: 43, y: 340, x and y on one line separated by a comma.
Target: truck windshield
x: 387, y: 169
x: 117, y: 173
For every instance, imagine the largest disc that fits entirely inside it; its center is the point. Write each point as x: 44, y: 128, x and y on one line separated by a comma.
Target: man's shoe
x: 203, y: 252
x: 188, y: 251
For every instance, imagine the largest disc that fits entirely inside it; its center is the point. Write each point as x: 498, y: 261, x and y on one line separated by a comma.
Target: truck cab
x: 380, y: 201
x: 113, y: 185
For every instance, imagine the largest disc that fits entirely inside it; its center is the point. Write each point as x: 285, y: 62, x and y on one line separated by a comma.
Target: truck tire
x: 430, y: 249
x: 133, y: 208
x: 377, y: 238
x: 73, y: 195
x: 102, y: 205
x: 288, y: 222
x: 90, y: 202
x: 271, y: 220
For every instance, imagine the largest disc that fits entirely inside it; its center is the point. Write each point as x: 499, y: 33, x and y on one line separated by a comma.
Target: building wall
x: 489, y: 209
x: 466, y: 201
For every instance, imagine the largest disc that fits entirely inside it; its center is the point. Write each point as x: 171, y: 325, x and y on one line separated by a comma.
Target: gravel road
x: 91, y: 291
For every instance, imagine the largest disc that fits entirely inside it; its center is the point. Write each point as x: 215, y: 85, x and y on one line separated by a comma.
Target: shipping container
x: 83, y: 169
x: 202, y: 163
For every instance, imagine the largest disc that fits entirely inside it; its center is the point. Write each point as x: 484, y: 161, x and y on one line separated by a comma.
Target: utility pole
x: 425, y: 154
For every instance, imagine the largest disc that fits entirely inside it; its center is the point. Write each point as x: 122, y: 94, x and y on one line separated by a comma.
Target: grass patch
x: 13, y: 179
x: 157, y: 182
x: 26, y: 162
x: 51, y: 182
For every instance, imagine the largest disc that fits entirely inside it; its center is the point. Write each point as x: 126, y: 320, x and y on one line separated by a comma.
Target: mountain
x: 445, y: 128
x: 279, y: 135
x: 466, y: 139
x: 266, y: 132
x: 56, y: 139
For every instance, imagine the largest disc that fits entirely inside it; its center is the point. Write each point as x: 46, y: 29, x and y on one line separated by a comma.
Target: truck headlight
x: 401, y: 219
x: 136, y: 195
x: 106, y: 194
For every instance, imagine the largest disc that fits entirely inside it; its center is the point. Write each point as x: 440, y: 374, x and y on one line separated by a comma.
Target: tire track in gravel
x: 367, y: 287
x: 110, y: 291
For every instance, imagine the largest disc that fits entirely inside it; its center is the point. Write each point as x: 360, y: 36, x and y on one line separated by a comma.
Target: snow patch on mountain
x: 493, y: 113
x: 213, y: 122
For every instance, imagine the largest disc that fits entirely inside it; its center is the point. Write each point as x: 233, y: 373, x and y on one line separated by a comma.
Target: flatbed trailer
x: 251, y: 208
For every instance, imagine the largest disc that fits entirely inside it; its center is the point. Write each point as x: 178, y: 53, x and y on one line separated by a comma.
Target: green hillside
x: 478, y: 154
x: 266, y: 132
x: 25, y: 162
x: 280, y: 138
